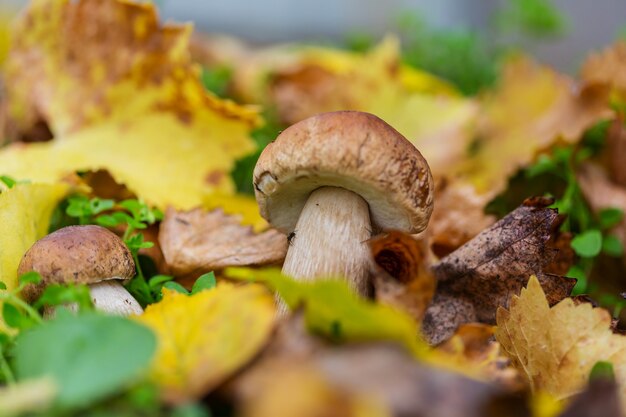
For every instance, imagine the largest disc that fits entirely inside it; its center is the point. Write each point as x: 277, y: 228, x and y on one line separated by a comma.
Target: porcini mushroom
x: 90, y: 255
x: 334, y: 179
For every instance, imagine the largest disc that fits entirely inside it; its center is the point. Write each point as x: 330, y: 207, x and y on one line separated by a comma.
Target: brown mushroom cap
x: 77, y: 254
x: 353, y: 150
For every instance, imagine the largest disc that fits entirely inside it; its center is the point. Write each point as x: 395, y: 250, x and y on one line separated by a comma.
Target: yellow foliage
x: 556, y: 348
x: 120, y: 93
x: 25, y: 212
x: 206, y: 337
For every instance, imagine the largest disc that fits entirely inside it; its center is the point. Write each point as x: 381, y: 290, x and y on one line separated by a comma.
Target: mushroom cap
x: 349, y: 149
x: 78, y: 255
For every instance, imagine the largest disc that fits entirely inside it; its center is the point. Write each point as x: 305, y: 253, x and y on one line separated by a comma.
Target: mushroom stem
x: 108, y: 296
x: 329, y: 239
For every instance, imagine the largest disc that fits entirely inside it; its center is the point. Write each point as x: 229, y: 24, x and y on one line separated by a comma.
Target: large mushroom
x: 90, y: 255
x: 332, y: 181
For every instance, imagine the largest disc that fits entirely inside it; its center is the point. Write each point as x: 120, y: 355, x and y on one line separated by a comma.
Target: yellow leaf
x: 556, y: 348
x: 301, y: 82
x: 120, y: 93
x: 25, y: 212
x: 204, y: 338
x: 532, y: 109
x: 333, y: 310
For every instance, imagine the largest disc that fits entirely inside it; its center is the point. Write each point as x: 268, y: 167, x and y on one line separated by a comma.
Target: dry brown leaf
x: 199, y: 241
x: 496, y: 264
x: 402, y: 277
x: 556, y: 348
x: 458, y: 216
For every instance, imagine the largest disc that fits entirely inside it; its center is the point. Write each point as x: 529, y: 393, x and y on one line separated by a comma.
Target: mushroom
x: 89, y: 255
x: 332, y: 181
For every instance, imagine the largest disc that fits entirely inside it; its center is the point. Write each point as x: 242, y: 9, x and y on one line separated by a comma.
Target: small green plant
x: 203, y: 282
x: 131, y: 215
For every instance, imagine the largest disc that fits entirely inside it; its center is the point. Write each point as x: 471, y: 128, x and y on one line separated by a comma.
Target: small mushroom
x: 89, y: 255
x: 332, y: 181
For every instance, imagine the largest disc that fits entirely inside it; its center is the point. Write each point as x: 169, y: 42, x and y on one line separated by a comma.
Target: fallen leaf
x: 302, y: 81
x: 606, y: 69
x: 79, y: 65
x: 473, y: 345
x: 379, y: 372
x: 616, y: 150
x: 601, y: 193
x: 332, y: 309
x: 457, y: 217
x: 556, y: 348
x: 292, y: 388
x: 199, y: 241
x: 532, y: 109
x: 25, y: 212
x: 487, y: 270
x: 403, y: 278
x: 204, y: 338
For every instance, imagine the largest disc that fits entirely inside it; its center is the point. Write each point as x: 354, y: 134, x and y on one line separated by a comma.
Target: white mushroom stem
x: 108, y: 296
x: 329, y: 239
x: 111, y: 297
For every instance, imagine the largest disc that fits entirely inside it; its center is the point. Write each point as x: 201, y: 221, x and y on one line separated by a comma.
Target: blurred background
x: 558, y: 32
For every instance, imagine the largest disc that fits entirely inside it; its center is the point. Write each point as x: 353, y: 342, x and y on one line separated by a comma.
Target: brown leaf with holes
x: 402, y: 275
x: 496, y: 264
x: 199, y: 241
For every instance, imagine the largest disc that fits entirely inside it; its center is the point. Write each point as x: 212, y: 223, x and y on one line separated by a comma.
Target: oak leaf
x: 199, y: 241
x: 482, y: 275
x: 204, y: 338
x: 556, y: 348
x: 119, y: 92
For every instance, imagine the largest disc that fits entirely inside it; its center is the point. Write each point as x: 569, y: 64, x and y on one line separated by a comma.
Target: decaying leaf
x: 199, y: 241
x: 332, y: 309
x: 532, y: 109
x: 25, y: 212
x: 206, y: 337
x: 496, y: 264
x: 556, y: 348
x: 79, y: 65
x: 403, y: 278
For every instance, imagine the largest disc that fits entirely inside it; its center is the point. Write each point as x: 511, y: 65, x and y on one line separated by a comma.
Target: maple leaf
x: 206, y: 337
x: 482, y: 274
x: 556, y: 348
x: 80, y: 66
x: 532, y: 109
x: 403, y: 278
x: 199, y: 241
